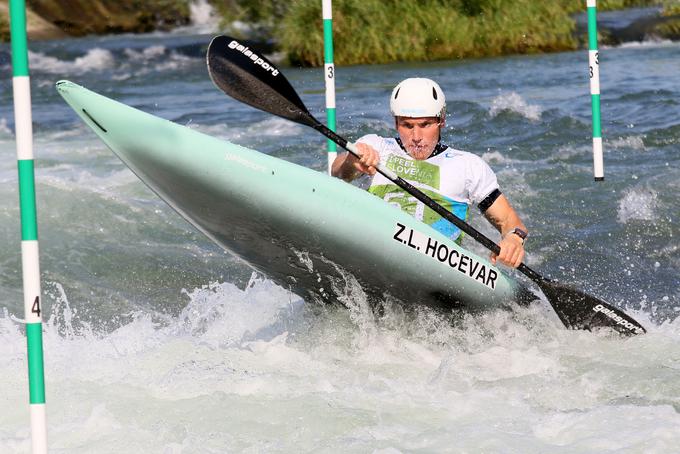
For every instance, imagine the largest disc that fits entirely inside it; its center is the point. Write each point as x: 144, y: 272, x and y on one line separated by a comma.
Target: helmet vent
x: 434, y: 93
x: 397, y: 93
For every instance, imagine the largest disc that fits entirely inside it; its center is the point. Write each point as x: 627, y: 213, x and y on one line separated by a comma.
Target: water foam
x: 94, y: 60
x: 638, y: 203
x: 203, y: 19
x: 513, y: 102
x: 568, y: 153
x: 647, y: 43
x: 5, y: 130
x: 632, y: 142
x: 288, y: 375
x: 220, y: 321
x: 133, y: 62
x: 495, y: 157
x: 146, y: 54
x: 203, y: 16
x: 151, y: 59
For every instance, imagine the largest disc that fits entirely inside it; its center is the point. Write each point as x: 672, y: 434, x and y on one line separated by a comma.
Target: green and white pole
x: 594, y: 70
x: 29, y: 225
x: 329, y: 71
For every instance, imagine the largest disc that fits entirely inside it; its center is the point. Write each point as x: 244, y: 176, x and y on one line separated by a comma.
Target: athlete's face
x: 419, y: 135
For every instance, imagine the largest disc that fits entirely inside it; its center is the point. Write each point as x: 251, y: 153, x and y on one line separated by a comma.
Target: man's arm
x: 502, y: 216
x: 348, y: 167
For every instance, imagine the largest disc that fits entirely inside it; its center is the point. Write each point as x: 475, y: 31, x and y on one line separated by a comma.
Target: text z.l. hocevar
x: 446, y: 254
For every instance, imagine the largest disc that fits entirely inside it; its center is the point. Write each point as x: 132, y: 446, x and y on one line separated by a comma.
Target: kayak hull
x: 306, y: 231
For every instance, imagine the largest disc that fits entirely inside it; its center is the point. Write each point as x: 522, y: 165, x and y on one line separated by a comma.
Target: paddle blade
x: 578, y: 310
x: 247, y: 76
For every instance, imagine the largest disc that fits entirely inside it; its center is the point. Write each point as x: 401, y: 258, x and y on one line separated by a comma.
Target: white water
x: 513, y: 102
x: 638, y: 203
x: 258, y: 370
x: 203, y: 19
x: 94, y: 60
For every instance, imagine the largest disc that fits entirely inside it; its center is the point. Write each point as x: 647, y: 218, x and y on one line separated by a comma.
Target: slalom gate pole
x: 329, y: 71
x: 29, y: 226
x: 594, y: 70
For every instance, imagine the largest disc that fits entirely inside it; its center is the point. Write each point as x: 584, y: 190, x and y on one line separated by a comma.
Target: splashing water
x: 638, y: 204
x: 203, y: 19
x: 513, y: 102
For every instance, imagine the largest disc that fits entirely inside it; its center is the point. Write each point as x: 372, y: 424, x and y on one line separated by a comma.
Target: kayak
x: 306, y: 231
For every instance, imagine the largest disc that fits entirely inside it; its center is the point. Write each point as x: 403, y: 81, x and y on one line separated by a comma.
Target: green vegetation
x: 671, y: 7
x: 365, y: 31
x: 379, y: 31
x: 669, y: 29
x: 607, y: 5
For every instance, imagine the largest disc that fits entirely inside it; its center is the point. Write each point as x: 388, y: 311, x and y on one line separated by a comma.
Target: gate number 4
x: 36, y: 306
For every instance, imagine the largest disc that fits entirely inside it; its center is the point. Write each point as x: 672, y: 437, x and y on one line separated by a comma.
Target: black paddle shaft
x: 246, y: 75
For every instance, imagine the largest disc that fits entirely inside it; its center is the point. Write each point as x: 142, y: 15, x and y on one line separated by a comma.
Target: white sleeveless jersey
x: 453, y: 178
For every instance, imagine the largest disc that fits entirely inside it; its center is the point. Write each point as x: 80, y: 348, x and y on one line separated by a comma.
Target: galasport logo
x: 617, y: 318
x: 253, y: 56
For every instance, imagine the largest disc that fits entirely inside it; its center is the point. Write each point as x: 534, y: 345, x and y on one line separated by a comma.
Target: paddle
x: 249, y: 77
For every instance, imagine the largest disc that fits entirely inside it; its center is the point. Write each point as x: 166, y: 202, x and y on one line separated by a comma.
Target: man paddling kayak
x: 453, y: 178
x: 251, y: 82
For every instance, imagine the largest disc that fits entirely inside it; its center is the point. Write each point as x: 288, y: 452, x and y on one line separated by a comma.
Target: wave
x: 635, y: 142
x: 260, y: 354
x: 495, y: 157
x: 647, y: 43
x: 123, y: 64
x: 513, y: 102
x: 94, y: 60
x: 146, y: 54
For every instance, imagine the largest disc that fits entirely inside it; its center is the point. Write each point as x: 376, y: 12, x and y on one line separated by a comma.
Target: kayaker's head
x: 419, y: 109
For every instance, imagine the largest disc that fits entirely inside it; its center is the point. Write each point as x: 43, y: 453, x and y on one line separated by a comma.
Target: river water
x: 158, y: 341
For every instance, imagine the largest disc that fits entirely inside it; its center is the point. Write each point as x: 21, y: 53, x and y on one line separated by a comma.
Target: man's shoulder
x: 460, y: 155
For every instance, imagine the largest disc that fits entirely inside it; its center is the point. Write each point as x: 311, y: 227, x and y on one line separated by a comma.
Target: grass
x: 380, y: 31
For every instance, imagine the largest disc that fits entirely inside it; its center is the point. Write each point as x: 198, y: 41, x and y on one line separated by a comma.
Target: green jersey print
x: 394, y: 195
x: 410, y: 169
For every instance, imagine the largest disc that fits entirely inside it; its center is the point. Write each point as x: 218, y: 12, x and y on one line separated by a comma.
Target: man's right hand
x: 347, y: 166
x: 370, y: 158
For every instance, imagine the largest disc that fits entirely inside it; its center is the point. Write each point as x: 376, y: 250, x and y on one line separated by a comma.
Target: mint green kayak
x: 303, y: 229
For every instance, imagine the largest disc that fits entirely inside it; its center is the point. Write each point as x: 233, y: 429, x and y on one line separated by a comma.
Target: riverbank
x: 54, y: 19
x: 365, y: 31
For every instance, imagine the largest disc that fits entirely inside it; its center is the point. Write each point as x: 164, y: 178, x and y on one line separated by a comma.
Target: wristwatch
x: 520, y: 233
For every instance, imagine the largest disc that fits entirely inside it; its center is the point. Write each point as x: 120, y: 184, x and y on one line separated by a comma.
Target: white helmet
x: 418, y: 97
